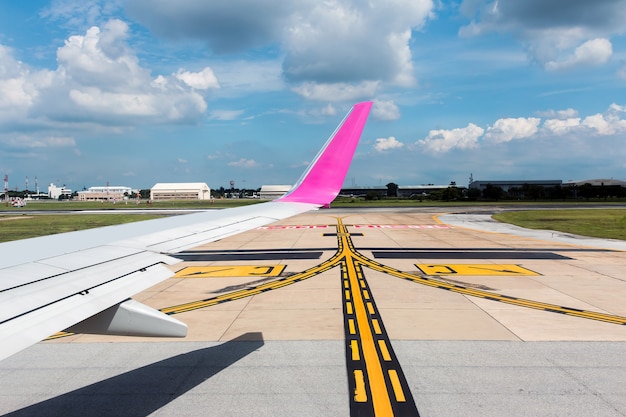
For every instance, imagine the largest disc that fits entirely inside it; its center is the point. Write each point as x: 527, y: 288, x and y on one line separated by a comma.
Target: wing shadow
x: 142, y: 391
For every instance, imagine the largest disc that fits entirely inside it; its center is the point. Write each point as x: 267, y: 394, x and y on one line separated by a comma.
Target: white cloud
x: 80, y: 14
x: 559, y: 114
x: 98, y: 80
x: 28, y: 141
x: 385, y: 110
x: 219, y: 155
x: 505, y: 130
x: 101, y: 56
x: 202, y: 80
x: 56, y: 141
x: 181, y: 160
x: 591, y: 53
x: 225, y: 114
x: 117, y: 103
x: 239, y: 77
x: 558, y: 34
x: 600, y: 124
x: 351, y: 41
x: 444, y: 140
x: 300, y: 165
x: 560, y: 126
x: 604, y: 125
x: 328, y: 43
x: 385, y: 144
x: 244, y: 163
x: 336, y: 91
x: 328, y: 110
x: 19, y: 85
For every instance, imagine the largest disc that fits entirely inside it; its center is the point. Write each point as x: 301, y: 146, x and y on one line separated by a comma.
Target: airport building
x: 180, y: 191
x: 598, y: 183
x: 506, y: 185
x: 408, y: 191
x: 106, y: 193
x: 356, y: 191
x: 272, y: 192
x: 55, y: 192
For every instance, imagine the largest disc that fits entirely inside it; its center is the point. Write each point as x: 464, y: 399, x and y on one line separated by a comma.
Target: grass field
x: 51, y: 205
x: 603, y: 223
x: 15, y: 227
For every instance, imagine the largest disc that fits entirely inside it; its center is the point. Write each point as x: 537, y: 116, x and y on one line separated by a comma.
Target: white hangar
x: 180, y: 191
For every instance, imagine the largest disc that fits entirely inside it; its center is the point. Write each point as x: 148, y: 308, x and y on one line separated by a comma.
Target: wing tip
x: 323, y: 179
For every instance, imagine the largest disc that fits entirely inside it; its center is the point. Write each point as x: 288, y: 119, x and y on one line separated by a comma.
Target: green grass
x: 96, y: 205
x: 602, y: 223
x: 15, y: 227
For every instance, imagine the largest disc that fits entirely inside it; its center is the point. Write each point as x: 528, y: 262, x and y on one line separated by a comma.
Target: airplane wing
x: 81, y: 281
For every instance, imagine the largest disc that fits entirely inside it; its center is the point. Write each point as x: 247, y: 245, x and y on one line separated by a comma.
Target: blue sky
x: 134, y: 92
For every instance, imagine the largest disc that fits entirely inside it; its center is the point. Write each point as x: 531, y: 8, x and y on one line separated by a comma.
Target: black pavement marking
x: 455, y: 254
x: 474, y: 249
x: 335, y: 234
x: 246, y: 255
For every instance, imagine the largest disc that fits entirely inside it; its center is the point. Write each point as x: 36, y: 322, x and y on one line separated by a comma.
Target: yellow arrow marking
x: 230, y: 271
x: 475, y: 269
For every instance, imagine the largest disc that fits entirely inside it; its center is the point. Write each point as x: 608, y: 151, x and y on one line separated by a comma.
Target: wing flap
x: 131, y: 318
x: 26, y: 298
x: 89, y: 257
x: 23, y: 274
x: 32, y: 312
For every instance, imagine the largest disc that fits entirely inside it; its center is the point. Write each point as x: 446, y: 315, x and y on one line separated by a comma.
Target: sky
x: 135, y: 92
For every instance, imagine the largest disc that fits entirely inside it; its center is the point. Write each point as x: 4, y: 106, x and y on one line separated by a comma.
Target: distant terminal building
x: 55, y: 192
x: 507, y: 185
x: 272, y: 192
x: 106, y: 193
x: 598, y: 182
x: 408, y: 191
x: 180, y: 191
x: 355, y: 191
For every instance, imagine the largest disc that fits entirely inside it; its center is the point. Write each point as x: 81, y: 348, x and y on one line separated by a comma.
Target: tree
x: 372, y: 195
x: 392, y: 190
x: 492, y: 192
x: 451, y: 193
x: 586, y: 191
x: 473, y: 194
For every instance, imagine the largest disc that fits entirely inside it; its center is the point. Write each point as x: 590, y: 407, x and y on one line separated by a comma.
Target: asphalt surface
x: 355, y: 331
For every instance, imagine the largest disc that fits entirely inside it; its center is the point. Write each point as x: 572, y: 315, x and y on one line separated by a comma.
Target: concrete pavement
x: 279, y: 346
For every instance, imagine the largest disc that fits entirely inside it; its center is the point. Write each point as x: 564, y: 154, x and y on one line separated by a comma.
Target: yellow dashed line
x: 397, y: 386
x: 360, y: 395
x: 351, y: 326
x: 376, y: 326
x: 384, y: 351
x: 354, y: 347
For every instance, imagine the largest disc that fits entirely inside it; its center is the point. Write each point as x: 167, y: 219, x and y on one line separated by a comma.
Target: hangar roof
x: 180, y: 186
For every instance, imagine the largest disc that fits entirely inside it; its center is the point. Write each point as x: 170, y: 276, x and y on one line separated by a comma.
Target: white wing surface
x: 82, y: 280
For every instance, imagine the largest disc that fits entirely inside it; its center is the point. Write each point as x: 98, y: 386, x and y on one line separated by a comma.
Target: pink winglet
x: 322, y: 180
